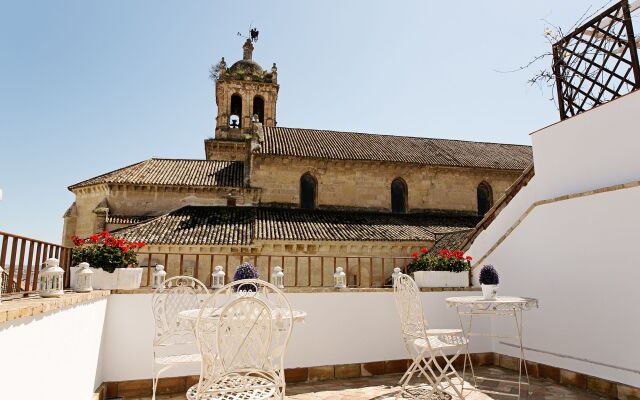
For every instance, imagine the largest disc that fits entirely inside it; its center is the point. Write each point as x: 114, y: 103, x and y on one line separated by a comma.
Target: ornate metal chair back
x: 245, y: 327
x: 177, y: 294
x: 409, y: 305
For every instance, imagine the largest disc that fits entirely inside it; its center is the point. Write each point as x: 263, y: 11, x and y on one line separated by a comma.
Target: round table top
x: 192, y: 315
x: 500, y: 302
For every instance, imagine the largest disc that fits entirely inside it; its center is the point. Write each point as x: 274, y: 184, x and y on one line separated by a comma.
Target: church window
x: 398, y: 196
x: 308, y: 191
x: 258, y: 108
x: 235, y: 111
x: 485, y: 198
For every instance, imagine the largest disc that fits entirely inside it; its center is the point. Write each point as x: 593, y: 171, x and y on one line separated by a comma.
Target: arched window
x: 398, y: 196
x: 485, y: 198
x: 235, y: 118
x: 258, y: 108
x: 308, y: 191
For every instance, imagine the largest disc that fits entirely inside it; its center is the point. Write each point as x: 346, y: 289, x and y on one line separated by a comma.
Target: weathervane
x: 253, y: 34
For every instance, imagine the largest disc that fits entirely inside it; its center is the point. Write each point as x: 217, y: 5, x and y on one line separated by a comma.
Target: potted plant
x: 114, y: 261
x: 489, y: 280
x: 445, y: 269
x: 246, y: 271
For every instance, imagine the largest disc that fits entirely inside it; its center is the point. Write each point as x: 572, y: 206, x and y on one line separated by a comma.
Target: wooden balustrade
x: 22, y: 257
x: 300, y: 270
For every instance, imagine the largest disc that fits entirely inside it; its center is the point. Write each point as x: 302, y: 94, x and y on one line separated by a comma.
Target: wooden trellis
x: 597, y: 62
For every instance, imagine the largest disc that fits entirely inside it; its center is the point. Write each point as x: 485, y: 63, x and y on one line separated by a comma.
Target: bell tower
x: 245, y: 94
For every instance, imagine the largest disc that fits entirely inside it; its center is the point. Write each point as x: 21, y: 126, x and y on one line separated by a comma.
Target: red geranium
x: 105, y: 251
x: 424, y: 250
x: 415, y: 254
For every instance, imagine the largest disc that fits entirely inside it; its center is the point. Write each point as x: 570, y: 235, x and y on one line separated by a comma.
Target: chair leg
x: 156, y: 377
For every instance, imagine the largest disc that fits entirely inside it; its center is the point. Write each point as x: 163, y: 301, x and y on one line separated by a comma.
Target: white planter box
x: 441, y: 279
x: 121, y: 278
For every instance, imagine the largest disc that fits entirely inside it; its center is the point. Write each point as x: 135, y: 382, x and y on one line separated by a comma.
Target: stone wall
x: 132, y: 200
x: 367, y: 184
x: 228, y: 150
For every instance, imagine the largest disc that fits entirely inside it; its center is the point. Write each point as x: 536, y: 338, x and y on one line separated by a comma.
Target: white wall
x: 579, y: 257
x: 55, y: 355
x: 595, y: 149
x: 340, y: 328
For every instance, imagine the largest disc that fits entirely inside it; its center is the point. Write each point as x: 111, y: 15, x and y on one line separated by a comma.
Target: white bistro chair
x: 426, y: 346
x: 173, y: 337
x: 243, y: 331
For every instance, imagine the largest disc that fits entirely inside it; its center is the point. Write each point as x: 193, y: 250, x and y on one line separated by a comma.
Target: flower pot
x: 121, y: 278
x: 441, y: 279
x: 489, y: 292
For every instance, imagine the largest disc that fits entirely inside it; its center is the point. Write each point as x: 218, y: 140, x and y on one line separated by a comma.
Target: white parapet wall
x: 55, y: 355
x: 595, y: 149
x: 569, y: 238
x: 340, y: 328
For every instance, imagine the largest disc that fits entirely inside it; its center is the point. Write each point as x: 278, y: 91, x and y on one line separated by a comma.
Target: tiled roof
x: 449, y: 241
x: 363, y: 146
x: 242, y: 225
x: 174, y: 172
x: 126, y: 219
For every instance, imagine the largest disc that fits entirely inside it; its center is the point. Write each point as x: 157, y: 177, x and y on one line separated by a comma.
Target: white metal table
x: 500, y: 306
x: 192, y: 315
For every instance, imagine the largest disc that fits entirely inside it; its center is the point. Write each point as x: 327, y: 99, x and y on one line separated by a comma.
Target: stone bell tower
x: 245, y: 93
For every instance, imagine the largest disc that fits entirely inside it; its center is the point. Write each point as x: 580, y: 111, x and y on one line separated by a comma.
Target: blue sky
x: 87, y: 87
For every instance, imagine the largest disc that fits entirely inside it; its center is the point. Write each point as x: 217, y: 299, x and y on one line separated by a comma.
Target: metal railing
x: 21, y: 258
x: 300, y: 270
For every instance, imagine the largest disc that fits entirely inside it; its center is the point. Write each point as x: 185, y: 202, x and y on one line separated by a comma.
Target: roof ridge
x: 190, y: 159
x: 392, y: 135
x: 107, y: 173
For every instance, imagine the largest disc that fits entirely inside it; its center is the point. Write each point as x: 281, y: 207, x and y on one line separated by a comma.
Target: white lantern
x: 51, y: 279
x: 159, y: 276
x: 396, y: 273
x: 340, y: 278
x: 84, y: 278
x: 277, y: 277
x: 1, y: 276
x: 218, y: 277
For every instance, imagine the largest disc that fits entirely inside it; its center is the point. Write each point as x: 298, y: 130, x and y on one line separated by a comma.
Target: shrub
x: 445, y: 260
x: 105, y: 251
x: 489, y: 275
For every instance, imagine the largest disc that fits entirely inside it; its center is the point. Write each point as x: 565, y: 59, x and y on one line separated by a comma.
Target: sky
x: 87, y: 87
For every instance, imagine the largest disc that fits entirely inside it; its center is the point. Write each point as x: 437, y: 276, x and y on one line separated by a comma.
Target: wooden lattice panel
x: 597, y: 62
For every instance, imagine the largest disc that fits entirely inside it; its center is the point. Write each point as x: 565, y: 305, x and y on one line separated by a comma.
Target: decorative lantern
x: 396, y: 273
x: 159, y: 275
x: 84, y: 278
x: 1, y: 276
x: 277, y: 277
x: 51, y: 279
x: 218, y: 277
x: 340, y: 278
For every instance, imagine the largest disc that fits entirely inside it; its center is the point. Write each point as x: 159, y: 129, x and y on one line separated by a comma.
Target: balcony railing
x: 300, y: 270
x: 21, y: 259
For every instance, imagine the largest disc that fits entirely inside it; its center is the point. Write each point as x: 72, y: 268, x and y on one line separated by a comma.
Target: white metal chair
x: 243, y: 331
x: 426, y: 346
x: 173, y: 337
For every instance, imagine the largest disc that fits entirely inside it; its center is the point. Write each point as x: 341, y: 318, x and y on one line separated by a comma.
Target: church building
x: 264, y: 189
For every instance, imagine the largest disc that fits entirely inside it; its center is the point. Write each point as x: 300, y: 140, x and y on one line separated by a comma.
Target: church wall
x: 86, y: 220
x: 157, y: 200
x: 225, y: 150
x: 321, y: 258
x: 367, y: 184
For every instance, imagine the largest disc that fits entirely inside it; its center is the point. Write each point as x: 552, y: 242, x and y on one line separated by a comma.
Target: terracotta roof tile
x: 174, y: 172
x: 242, y: 225
x: 126, y: 219
x: 364, y: 146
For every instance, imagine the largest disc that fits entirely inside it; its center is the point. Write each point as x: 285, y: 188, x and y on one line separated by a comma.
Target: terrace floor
x: 384, y: 387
